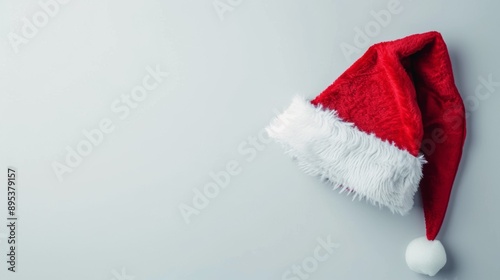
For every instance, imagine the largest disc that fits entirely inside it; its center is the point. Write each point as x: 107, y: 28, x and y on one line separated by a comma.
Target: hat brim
x: 354, y: 161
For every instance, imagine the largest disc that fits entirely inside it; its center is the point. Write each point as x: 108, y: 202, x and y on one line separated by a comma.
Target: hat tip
x: 425, y: 256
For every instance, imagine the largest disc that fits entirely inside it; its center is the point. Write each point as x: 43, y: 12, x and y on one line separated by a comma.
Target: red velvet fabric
x: 403, y: 91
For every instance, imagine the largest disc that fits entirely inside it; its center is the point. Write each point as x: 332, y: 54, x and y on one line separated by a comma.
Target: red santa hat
x: 391, y: 123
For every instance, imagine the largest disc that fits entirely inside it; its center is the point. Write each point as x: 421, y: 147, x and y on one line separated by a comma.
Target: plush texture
x: 425, y: 256
x: 401, y: 93
x: 326, y: 146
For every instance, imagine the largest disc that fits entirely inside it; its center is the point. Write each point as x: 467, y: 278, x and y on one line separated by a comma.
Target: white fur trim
x: 326, y: 146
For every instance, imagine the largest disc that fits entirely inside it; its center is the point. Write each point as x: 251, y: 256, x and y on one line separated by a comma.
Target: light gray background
x: 117, y: 214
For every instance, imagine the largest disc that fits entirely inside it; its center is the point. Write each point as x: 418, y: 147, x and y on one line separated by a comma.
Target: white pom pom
x: 425, y: 256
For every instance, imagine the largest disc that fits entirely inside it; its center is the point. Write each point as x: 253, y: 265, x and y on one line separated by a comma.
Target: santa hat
x: 393, y: 122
